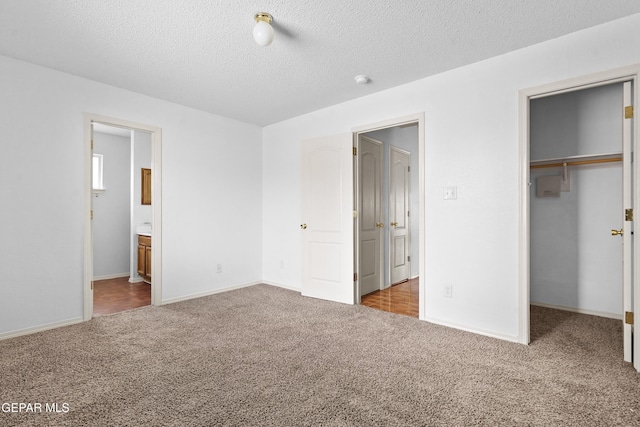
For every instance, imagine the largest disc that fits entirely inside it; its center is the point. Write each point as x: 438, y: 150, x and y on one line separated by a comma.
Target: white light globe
x: 263, y: 33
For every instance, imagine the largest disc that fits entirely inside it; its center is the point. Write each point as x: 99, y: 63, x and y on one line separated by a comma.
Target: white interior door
x: 400, y: 247
x: 627, y: 188
x: 369, y: 214
x: 327, y: 218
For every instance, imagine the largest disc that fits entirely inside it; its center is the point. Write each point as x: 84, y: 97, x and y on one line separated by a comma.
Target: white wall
x: 575, y: 262
x: 211, y: 204
x: 405, y: 138
x: 111, y: 209
x: 471, y: 138
x: 141, y: 158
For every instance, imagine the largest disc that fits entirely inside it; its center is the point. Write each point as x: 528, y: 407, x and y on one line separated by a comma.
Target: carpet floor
x: 264, y: 356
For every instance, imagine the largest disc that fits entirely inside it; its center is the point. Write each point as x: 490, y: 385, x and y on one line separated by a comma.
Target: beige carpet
x: 266, y: 356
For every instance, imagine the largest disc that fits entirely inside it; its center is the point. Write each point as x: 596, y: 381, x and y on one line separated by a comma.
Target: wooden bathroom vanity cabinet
x: 144, y: 257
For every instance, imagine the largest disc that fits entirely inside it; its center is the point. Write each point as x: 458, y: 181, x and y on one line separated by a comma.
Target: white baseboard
x: 40, y: 328
x: 207, y: 293
x: 111, y: 276
x: 136, y: 279
x: 490, y: 334
x: 278, y: 285
x: 580, y: 310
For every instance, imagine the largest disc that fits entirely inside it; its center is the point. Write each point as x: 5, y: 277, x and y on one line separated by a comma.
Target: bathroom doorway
x: 122, y: 181
x: 118, y: 154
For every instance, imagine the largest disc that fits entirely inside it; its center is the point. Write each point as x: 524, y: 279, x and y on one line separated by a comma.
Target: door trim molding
x: 417, y: 118
x: 156, y: 209
x: 525, y: 95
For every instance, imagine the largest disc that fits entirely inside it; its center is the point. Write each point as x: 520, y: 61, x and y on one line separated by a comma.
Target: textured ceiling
x: 200, y: 53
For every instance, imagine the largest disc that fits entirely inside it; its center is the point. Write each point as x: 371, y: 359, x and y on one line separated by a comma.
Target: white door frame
x: 406, y: 120
x: 156, y: 208
x: 630, y: 73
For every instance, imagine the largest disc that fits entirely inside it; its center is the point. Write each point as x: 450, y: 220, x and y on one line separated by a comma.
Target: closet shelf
x: 588, y: 159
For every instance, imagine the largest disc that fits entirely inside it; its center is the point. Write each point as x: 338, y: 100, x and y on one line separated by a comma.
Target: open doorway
x: 387, y: 197
x: 576, y: 151
x: 122, y: 205
x: 578, y: 198
x: 121, y: 217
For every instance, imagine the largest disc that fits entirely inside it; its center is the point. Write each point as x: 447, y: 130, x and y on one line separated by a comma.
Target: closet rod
x: 577, y: 163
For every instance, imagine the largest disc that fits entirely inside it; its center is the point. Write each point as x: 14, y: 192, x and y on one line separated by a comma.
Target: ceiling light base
x: 263, y: 16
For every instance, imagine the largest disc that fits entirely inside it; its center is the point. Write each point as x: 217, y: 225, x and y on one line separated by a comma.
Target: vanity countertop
x: 144, y: 230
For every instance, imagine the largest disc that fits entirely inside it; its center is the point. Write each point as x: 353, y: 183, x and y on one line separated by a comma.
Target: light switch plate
x: 450, y: 193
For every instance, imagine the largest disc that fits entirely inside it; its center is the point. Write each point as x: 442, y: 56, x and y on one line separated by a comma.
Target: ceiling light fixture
x: 263, y: 31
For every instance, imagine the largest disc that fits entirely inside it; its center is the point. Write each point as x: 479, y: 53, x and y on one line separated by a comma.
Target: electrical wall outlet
x: 448, y: 291
x: 450, y: 193
x: 219, y: 268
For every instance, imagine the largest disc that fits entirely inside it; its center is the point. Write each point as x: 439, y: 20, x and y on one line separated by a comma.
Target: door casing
x: 156, y: 209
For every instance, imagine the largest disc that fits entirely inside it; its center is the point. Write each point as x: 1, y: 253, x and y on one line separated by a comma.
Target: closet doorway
x: 579, y: 204
x: 387, y: 195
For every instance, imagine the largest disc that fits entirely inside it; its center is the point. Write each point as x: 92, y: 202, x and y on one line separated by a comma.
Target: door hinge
x: 408, y: 168
x: 628, y: 214
x: 92, y: 285
x: 355, y: 151
x: 408, y: 212
x: 409, y: 259
x: 628, y: 317
x: 355, y: 214
x: 92, y: 144
x: 91, y: 213
x: 628, y: 112
x: 355, y: 277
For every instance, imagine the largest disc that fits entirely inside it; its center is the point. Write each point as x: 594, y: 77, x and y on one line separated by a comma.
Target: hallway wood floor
x: 115, y: 295
x: 401, y: 298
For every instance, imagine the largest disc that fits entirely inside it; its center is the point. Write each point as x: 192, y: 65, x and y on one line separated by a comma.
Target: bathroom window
x: 98, y: 185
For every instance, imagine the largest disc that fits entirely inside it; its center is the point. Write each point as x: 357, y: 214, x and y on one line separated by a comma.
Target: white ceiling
x: 200, y: 53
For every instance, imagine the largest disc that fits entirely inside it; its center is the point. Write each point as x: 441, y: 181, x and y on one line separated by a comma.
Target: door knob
x: 617, y: 232
x: 394, y: 224
x: 303, y: 226
x: 379, y: 224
